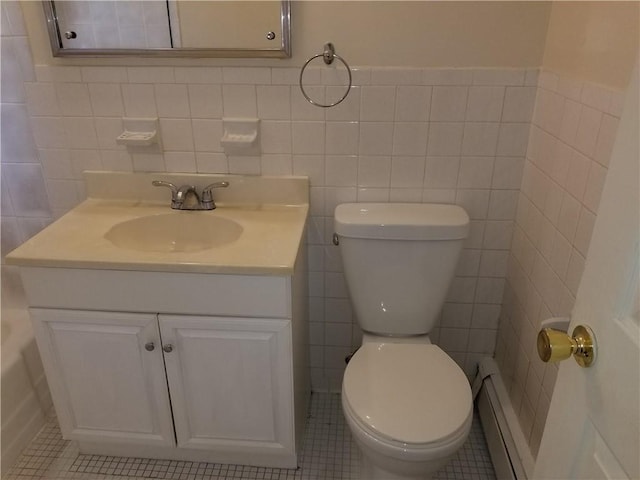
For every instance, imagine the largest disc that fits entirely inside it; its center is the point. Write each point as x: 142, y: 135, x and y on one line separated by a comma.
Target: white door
x: 230, y: 382
x: 593, y: 427
x: 106, y: 378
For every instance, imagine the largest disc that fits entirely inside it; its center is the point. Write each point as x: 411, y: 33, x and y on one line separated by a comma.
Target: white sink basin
x: 174, y: 232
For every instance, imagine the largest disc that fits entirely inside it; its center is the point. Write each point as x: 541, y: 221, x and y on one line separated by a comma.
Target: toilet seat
x: 437, y: 412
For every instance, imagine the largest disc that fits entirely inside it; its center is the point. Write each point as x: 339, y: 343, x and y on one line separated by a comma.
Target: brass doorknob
x: 556, y: 345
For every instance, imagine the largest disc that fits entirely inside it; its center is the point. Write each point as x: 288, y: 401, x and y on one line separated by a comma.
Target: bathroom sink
x: 126, y: 224
x: 174, y: 232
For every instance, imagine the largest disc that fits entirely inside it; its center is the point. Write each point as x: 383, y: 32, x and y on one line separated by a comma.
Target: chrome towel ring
x: 328, y: 56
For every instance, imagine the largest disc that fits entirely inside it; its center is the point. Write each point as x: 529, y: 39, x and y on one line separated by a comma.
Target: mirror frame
x: 282, y: 51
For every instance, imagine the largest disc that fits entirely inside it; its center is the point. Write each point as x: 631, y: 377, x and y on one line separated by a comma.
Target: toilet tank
x: 399, y: 260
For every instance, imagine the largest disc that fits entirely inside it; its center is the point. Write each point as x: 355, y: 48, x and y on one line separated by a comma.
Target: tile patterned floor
x: 328, y: 454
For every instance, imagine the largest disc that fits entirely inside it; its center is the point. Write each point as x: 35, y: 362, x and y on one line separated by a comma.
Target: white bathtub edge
x: 26, y: 399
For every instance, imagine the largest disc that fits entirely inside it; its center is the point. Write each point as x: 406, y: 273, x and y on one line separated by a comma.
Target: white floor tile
x: 328, y: 454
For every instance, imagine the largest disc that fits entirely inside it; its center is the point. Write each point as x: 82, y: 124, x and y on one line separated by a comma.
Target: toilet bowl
x: 407, y: 403
x: 403, y: 430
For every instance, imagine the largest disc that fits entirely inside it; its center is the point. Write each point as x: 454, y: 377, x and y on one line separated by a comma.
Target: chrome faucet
x: 186, y: 197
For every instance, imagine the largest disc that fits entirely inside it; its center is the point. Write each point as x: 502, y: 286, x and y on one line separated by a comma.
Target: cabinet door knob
x: 149, y: 347
x: 168, y: 348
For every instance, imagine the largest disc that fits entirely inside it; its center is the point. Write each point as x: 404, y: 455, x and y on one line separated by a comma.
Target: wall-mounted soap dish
x: 241, y: 136
x: 139, y: 132
x: 137, y: 139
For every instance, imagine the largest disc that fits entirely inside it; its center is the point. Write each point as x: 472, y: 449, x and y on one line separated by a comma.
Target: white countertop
x: 271, y: 237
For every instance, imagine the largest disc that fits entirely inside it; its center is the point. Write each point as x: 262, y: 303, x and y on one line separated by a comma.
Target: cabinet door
x: 106, y: 385
x: 230, y: 382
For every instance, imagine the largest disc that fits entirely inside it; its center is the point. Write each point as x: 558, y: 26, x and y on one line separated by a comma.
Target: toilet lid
x: 410, y: 393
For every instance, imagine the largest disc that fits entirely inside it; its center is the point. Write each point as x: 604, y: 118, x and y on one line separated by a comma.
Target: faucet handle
x: 162, y: 183
x: 215, y: 185
x: 207, y: 197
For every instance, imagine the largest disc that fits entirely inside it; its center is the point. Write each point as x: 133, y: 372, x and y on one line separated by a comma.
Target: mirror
x: 196, y: 28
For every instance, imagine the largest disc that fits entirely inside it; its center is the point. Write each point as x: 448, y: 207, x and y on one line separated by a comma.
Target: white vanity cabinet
x: 168, y: 347
x: 230, y: 381
x: 217, y: 373
x: 106, y: 385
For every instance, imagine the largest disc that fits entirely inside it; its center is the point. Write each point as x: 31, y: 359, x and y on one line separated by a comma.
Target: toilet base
x: 374, y: 466
x: 378, y: 463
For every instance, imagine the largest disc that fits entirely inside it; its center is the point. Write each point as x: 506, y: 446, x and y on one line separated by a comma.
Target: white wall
x: 403, y: 134
x: 424, y: 33
x: 25, y: 207
x: 422, y: 132
x: 572, y: 133
x: 593, y: 41
x: 382, y: 33
x: 590, y: 51
x: 454, y: 136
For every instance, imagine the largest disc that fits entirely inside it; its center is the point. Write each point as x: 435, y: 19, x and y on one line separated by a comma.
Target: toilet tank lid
x: 401, y: 221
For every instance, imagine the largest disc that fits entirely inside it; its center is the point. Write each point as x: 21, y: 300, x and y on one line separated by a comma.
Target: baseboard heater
x: 509, y: 450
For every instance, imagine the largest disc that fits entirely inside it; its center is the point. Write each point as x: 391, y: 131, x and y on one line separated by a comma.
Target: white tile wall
x: 402, y: 134
x: 572, y: 133
x: 25, y: 201
x: 443, y: 135
x: 25, y: 205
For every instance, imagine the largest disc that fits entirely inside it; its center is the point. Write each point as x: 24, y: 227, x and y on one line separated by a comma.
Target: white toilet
x: 407, y: 403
